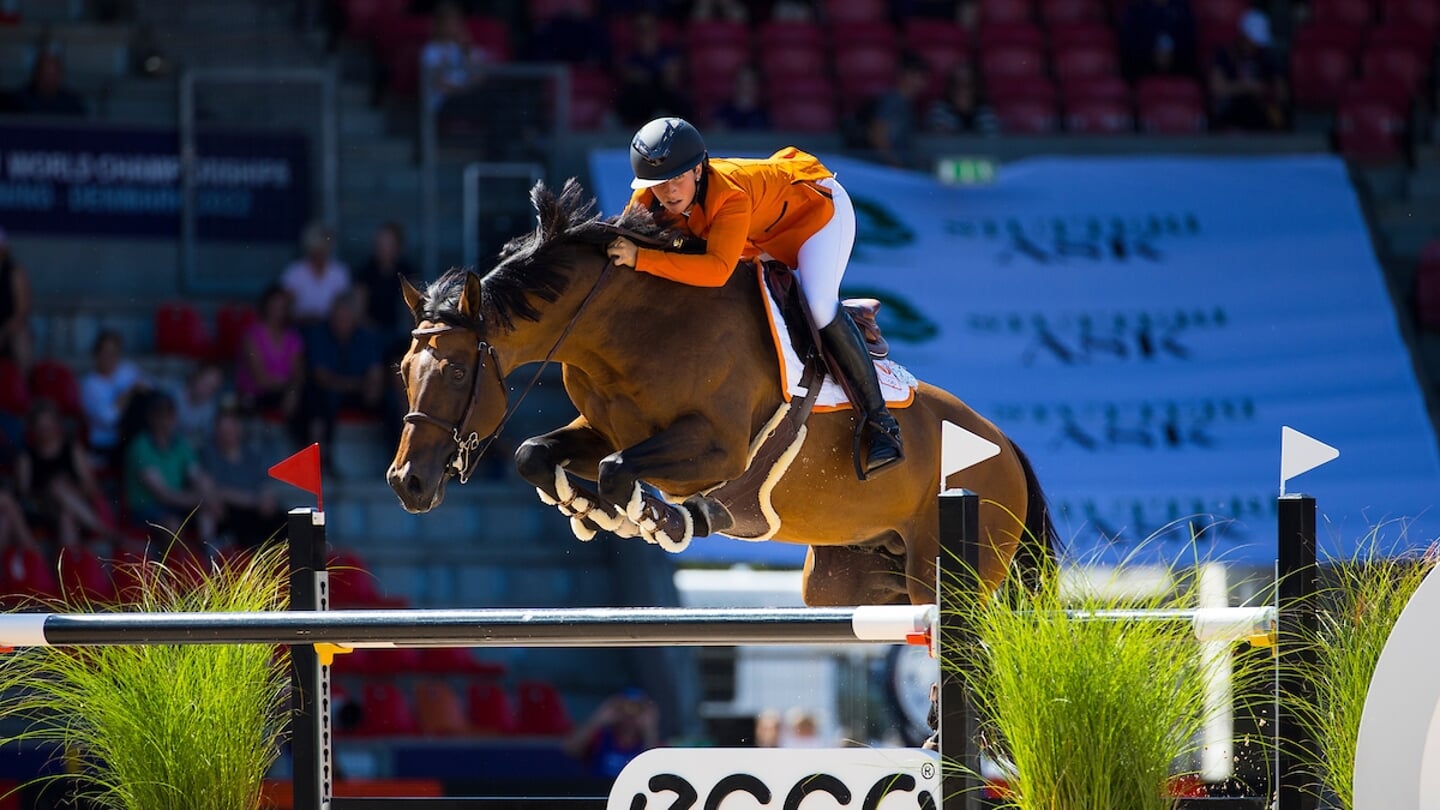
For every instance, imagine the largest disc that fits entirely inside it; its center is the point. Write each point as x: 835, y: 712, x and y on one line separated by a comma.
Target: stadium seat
x: 1085, y: 61
x: 591, y: 97
x: 1011, y: 61
x: 1168, y: 88
x: 491, y: 711
x: 941, y: 60
x: 353, y: 586
x: 1017, y: 34
x: 1077, y: 34
x: 803, y: 114
x: 621, y: 29
x: 1059, y: 12
x: 1427, y: 287
x: 1006, y: 11
x: 491, y: 35
x: 1099, y: 116
x: 852, y: 11
x: 53, y: 380
x: 1354, y: 13
x: 1107, y: 89
x: 1402, y: 67
x: 1368, y: 128
x: 781, y: 34
x: 1171, y: 116
x: 1023, y: 116
x: 1423, y: 14
x: 180, y: 331
x: 704, y: 33
x: 231, y: 322
x: 14, y: 390
x: 397, y: 41
x: 720, y: 61
x: 1405, y: 37
x: 920, y: 33
x: 1220, y: 12
x: 541, y: 711
x: 1339, y: 35
x: 361, y: 16
x: 784, y: 64
x: 439, y: 711
x: 541, y: 11
x: 385, y: 711
x: 25, y: 572
x: 83, y: 576
x: 455, y: 661
x: 844, y: 36
x: 1318, y: 73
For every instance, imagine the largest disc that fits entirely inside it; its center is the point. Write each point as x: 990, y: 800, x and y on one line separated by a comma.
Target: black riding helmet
x: 664, y: 148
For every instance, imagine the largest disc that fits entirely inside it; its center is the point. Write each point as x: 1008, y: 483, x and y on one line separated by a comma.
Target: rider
x: 788, y: 206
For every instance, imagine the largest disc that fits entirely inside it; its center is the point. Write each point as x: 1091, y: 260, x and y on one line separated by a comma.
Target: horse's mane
x: 532, y: 267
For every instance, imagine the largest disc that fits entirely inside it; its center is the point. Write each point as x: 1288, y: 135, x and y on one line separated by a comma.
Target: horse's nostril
x: 412, y: 484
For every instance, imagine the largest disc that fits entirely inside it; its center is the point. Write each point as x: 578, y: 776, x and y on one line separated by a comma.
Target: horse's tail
x: 1040, y: 543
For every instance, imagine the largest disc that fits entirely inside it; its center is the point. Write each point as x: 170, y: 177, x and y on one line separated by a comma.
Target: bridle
x: 467, y: 449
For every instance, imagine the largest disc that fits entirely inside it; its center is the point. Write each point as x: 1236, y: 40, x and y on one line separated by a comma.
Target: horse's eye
x: 457, y: 373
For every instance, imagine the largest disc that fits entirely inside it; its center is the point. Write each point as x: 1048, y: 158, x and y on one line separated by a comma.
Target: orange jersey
x: 771, y: 205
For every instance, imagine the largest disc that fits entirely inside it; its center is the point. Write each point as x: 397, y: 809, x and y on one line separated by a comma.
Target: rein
x: 469, y: 448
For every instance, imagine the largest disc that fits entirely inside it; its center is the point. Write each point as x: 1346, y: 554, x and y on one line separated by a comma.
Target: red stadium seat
x: 1172, y: 117
x: 540, y: 11
x: 718, y: 61
x: 1402, y: 67
x: 26, y: 572
x: 1423, y: 14
x: 1085, y: 61
x: 920, y: 33
x: 781, y: 34
x: 180, y: 331
x: 1339, y: 35
x: 1011, y: 61
x: 541, y: 710
x: 1016, y: 34
x: 1370, y: 129
x: 231, y: 323
x: 439, y: 712
x: 1099, y: 117
x: 491, y: 711
x: 14, y: 390
x: 1055, y: 12
x: 1404, y: 37
x: 353, y: 586
x: 490, y: 35
x: 1220, y: 12
x: 865, y: 73
x: 1082, y: 34
x: 455, y: 661
x: 1106, y: 89
x: 591, y: 98
x: 1354, y: 13
x: 1006, y: 11
x: 53, y: 380
x: 701, y: 33
x: 621, y: 29
x: 851, y: 11
x: 1168, y: 88
x: 1023, y: 116
x: 385, y: 711
x: 83, y: 576
x: 844, y: 36
x: 1318, y: 73
x: 361, y: 16
x: 803, y: 114
x: 783, y: 64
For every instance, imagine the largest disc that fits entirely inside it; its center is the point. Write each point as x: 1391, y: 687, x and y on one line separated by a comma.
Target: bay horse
x: 673, y: 383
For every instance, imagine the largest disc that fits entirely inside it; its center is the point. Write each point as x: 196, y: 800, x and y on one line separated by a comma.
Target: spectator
x: 894, y: 117
x: 14, y: 307
x: 1157, y: 37
x: 106, y: 393
x: 249, y: 513
x: 46, y: 93
x: 767, y: 729
x: 379, y: 282
x: 960, y: 109
x: 1247, y: 84
x: 450, y: 61
x: 196, y: 400
x: 315, y: 280
x: 624, y: 726
x: 652, y: 78
x: 575, y: 36
x: 14, y: 531
x: 271, y: 367
x: 802, y: 730
x: 345, y: 370
x: 55, y: 479
x: 743, y: 111
x: 164, y: 484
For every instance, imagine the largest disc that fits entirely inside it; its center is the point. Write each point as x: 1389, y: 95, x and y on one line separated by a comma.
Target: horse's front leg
x: 556, y: 464
x: 686, y: 455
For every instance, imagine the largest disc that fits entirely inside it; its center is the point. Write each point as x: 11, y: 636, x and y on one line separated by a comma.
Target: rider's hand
x: 622, y: 252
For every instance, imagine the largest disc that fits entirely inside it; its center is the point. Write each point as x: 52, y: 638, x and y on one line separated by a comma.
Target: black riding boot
x: 881, y: 432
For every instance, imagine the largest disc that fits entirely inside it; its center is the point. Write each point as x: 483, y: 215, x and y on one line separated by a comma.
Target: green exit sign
x: 967, y: 171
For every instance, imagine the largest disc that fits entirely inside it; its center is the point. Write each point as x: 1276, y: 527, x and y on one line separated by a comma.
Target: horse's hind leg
x: 844, y: 576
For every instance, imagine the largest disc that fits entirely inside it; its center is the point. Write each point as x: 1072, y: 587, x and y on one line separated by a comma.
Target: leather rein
x: 468, y: 448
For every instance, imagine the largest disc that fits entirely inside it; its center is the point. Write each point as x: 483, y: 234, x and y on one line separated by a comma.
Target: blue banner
x: 1143, y: 327
x: 126, y: 182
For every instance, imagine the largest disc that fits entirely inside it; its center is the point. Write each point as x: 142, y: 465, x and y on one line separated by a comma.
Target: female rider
x: 788, y: 206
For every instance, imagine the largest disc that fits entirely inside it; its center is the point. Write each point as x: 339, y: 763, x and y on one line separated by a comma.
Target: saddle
x: 804, y: 335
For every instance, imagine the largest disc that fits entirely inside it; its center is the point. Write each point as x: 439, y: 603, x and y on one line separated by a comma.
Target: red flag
x: 302, y: 470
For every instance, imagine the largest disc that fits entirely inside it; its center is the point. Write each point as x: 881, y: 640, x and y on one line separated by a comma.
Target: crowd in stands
x: 110, y: 455
x: 884, y: 71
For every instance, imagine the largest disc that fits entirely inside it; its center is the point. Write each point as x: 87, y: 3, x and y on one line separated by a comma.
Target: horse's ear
x: 413, y: 299
x: 470, y: 296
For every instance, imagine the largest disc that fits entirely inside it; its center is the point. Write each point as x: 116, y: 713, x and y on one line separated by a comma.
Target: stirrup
x: 866, y: 466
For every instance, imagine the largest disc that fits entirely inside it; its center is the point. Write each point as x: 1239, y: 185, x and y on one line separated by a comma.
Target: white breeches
x: 824, y: 256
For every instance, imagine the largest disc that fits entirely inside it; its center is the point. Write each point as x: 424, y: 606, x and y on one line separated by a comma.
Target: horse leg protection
x: 661, y: 522
x: 710, y: 515
x: 576, y: 498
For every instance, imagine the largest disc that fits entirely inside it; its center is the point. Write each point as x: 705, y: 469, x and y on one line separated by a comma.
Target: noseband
x: 466, y: 455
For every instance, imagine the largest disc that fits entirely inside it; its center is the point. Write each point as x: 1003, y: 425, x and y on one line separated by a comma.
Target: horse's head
x: 455, y: 391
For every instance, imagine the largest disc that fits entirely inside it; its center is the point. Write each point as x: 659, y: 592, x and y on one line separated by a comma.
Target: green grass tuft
x: 173, y: 727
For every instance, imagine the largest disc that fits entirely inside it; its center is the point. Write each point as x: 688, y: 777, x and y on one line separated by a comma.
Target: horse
x: 673, y: 385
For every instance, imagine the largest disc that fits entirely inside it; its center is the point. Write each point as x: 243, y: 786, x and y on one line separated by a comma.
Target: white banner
x: 1143, y: 327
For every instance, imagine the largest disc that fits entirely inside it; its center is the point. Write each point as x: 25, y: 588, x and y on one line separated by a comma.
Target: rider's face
x: 678, y: 193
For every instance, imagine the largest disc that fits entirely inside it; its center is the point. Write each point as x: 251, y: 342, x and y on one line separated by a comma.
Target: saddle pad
x: 897, y: 383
